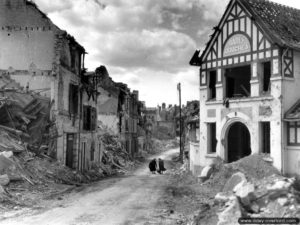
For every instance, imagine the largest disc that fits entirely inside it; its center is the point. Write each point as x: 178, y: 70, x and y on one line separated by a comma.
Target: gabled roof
x: 280, y: 22
x: 293, y: 114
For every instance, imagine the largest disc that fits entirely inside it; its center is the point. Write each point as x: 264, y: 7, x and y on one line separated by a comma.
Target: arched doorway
x: 238, y: 142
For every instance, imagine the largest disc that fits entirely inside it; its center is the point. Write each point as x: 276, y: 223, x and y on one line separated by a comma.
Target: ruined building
x: 117, y: 109
x: 45, y: 59
x: 166, y: 119
x: 249, y: 77
x: 129, y: 115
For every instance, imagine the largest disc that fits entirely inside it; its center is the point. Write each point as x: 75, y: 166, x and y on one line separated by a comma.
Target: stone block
x: 2, y: 191
x: 280, y: 185
x: 206, y: 172
x: 223, y: 197
x: 6, y: 165
x: 4, y: 180
x: 231, y: 214
x: 233, y: 181
x: 246, y: 193
x: 7, y: 154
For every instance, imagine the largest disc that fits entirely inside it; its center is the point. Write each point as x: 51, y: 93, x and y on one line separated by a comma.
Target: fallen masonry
x: 248, y: 188
x: 28, y: 171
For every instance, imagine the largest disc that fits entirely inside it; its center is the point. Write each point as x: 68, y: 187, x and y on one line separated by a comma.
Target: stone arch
x: 227, y: 123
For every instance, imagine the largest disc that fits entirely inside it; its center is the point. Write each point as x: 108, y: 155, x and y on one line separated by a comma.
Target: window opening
x: 265, y: 135
x: 212, y: 138
x: 212, y: 84
x: 266, y: 76
x: 238, y: 82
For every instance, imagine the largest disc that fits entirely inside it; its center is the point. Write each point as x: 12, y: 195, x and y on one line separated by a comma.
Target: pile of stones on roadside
x: 273, y: 196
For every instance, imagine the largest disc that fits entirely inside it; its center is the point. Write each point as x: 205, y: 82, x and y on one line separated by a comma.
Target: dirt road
x: 129, y: 200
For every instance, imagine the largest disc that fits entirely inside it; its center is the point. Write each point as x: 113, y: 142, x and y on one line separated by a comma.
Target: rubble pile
x: 162, y: 133
x: 274, y: 196
x: 254, y: 167
x: 25, y: 115
x: 26, y: 178
x: 158, y: 145
x: 250, y: 187
x: 115, y: 158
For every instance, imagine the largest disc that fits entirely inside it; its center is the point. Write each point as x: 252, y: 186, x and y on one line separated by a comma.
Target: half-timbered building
x: 249, y: 86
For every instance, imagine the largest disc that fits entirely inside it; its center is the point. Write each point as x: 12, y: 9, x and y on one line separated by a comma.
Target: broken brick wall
x: 107, y: 106
x: 27, y: 39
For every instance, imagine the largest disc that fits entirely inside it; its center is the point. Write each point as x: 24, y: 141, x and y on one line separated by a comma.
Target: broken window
x: 265, y: 137
x: 238, y: 82
x: 293, y: 133
x: 75, y: 60
x: 212, y: 84
x: 212, y: 141
x: 266, y: 75
x: 89, y: 118
x: 73, y: 99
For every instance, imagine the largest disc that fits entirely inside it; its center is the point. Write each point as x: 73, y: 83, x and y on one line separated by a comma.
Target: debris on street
x: 249, y: 187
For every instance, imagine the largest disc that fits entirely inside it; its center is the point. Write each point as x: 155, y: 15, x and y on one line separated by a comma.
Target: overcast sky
x: 144, y: 43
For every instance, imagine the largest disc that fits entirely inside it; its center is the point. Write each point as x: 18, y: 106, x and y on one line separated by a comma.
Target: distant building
x: 166, y: 119
x: 249, y: 77
x: 129, y: 116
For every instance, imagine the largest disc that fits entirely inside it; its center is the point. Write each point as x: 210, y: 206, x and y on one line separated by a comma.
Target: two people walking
x: 160, y: 168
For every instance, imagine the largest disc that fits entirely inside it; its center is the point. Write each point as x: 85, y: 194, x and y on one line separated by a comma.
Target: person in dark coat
x: 153, y: 166
x: 161, y: 166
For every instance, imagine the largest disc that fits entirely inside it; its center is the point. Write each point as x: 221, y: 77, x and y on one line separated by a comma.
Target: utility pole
x: 180, y: 125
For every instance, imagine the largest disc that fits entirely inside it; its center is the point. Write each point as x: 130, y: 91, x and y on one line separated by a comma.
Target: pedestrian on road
x: 161, y: 166
x: 153, y: 166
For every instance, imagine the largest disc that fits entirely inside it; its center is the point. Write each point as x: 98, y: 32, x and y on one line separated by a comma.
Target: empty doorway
x: 238, y: 142
x: 70, y: 150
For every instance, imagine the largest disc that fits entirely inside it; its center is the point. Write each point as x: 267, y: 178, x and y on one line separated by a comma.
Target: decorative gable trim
x: 237, y: 19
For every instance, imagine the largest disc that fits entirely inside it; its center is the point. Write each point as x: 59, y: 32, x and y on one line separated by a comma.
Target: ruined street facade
x: 44, y: 59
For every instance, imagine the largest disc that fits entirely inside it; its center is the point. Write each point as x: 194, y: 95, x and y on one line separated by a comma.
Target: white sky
x: 144, y: 43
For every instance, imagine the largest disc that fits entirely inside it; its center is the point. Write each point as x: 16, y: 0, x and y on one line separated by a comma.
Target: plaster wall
x: 195, y: 158
x: 27, y: 50
x: 110, y: 122
x: 250, y: 111
x: 291, y: 96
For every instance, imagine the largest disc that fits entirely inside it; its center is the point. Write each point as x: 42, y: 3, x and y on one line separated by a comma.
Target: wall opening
x: 212, y: 140
x: 238, y: 142
x: 265, y: 137
x: 212, y: 84
x: 89, y: 118
x: 92, y: 152
x: 266, y: 76
x: 238, y: 82
x: 73, y: 98
x: 82, y: 155
x: 70, y: 150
